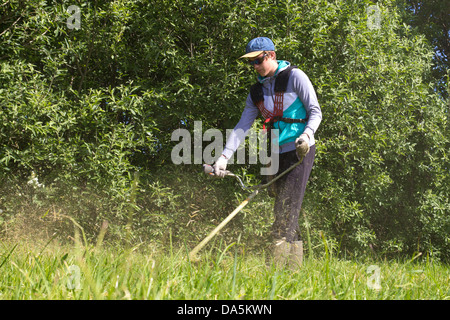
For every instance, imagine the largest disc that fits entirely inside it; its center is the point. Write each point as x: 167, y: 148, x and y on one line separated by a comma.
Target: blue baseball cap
x: 257, y: 46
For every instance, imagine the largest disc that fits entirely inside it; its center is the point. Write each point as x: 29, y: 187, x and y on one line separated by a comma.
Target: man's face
x: 262, y: 64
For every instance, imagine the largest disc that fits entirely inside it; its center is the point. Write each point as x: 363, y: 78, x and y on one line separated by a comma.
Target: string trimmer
x: 208, y: 169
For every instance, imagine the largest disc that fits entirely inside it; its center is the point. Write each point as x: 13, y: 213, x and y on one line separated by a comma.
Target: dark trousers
x: 290, y: 190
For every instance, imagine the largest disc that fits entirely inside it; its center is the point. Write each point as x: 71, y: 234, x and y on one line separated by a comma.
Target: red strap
x: 277, y: 112
x: 266, y: 121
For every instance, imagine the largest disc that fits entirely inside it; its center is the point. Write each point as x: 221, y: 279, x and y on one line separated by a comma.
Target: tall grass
x: 84, y: 271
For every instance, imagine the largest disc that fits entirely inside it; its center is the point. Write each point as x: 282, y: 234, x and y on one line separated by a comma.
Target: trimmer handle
x: 209, y: 169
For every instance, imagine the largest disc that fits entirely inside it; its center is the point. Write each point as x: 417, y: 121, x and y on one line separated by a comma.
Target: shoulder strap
x: 282, y: 79
x: 256, y: 93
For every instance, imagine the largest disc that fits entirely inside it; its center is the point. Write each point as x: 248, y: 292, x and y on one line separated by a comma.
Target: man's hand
x: 220, y: 167
x: 302, y: 145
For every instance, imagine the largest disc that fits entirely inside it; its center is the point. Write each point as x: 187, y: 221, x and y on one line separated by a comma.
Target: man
x: 287, y: 100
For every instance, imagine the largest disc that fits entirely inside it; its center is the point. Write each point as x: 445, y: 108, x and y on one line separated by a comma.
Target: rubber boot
x: 281, y: 253
x: 295, y: 255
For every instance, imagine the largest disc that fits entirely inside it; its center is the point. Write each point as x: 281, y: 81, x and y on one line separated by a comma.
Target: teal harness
x: 257, y: 95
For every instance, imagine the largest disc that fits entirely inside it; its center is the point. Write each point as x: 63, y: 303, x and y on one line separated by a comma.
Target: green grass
x: 86, y: 272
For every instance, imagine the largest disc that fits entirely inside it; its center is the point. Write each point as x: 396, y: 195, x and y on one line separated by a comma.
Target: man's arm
x: 241, y: 129
x: 305, y: 91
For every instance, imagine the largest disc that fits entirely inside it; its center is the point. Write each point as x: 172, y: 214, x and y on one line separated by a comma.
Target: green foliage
x: 90, y: 112
x: 431, y: 19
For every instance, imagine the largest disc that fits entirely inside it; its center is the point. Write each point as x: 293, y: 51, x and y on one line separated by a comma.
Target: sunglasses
x: 258, y: 61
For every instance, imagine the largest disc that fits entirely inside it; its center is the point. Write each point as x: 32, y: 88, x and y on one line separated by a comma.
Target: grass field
x: 50, y: 272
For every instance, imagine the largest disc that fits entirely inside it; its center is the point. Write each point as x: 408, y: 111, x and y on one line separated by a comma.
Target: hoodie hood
x: 282, y: 64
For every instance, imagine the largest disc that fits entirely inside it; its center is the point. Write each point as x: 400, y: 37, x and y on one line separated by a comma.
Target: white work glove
x: 302, y: 145
x: 220, y: 167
